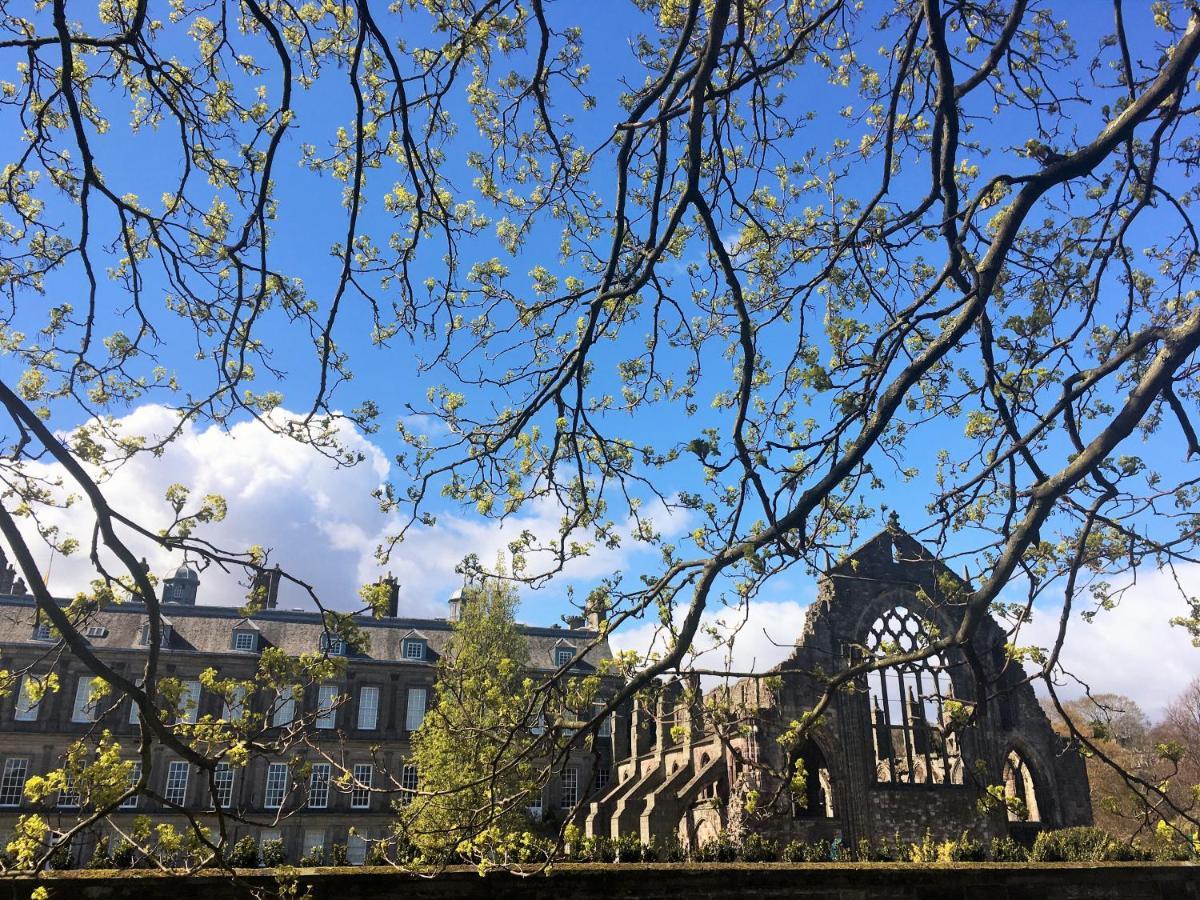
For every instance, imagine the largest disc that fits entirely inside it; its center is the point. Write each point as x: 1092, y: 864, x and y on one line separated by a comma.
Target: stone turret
x: 182, y: 587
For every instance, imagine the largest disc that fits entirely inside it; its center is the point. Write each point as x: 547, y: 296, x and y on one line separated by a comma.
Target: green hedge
x: 1065, y: 845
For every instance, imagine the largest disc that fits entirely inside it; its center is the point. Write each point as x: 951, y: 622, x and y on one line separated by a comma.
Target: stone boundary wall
x: 863, y: 881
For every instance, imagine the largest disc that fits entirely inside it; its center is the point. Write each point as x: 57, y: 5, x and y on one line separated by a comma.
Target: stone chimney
x: 393, y: 596
x: 596, y: 610
x: 10, y: 584
x: 266, y: 587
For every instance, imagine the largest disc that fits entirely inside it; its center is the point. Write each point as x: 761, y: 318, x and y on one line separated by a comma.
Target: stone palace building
x: 880, y: 763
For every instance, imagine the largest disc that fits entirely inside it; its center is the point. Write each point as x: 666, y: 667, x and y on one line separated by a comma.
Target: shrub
x: 597, y: 849
x: 377, y: 855
x: 272, y: 853
x: 339, y: 855
x: 100, y: 858
x: 406, y: 850
x: 315, y: 856
x: 1005, y: 849
x: 756, y: 848
x: 671, y: 851
x: 244, y: 854
x: 925, y: 852
x: 963, y: 849
x: 60, y: 858
x: 629, y: 848
x: 881, y: 852
x: 124, y: 855
x: 1083, y: 844
x: 722, y: 848
x: 799, y: 851
x: 820, y: 851
x: 1169, y: 847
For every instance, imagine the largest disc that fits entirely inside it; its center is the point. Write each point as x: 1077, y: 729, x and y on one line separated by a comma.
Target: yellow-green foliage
x: 472, y: 751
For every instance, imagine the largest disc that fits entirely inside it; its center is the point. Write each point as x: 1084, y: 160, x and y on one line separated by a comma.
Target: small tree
x: 474, y: 751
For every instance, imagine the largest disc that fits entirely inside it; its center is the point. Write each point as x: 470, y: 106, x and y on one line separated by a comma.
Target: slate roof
x: 208, y: 630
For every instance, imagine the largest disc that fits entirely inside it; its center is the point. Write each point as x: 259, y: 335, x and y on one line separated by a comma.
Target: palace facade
x: 366, y: 719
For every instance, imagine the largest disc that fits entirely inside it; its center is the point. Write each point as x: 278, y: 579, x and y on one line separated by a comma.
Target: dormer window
x: 333, y: 644
x: 164, y: 635
x: 563, y: 655
x: 246, y: 641
x: 97, y: 631
x: 414, y: 648
x: 42, y: 632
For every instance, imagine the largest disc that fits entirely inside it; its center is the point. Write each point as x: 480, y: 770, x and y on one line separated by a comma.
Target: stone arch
x: 1021, y: 784
x: 911, y: 703
x: 818, y: 795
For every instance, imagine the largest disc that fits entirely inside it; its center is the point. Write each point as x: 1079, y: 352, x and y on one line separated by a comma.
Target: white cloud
x: 318, y: 519
x: 766, y: 635
x: 1132, y: 649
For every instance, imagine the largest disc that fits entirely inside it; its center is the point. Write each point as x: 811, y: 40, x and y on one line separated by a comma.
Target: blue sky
x: 318, y: 519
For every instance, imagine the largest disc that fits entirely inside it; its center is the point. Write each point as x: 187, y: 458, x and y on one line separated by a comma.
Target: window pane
x: 245, y: 640
x: 135, y: 773
x: 277, y: 776
x: 314, y: 840
x: 326, y: 711
x: 12, y: 782
x: 235, y: 706
x: 189, y: 702
x: 177, y: 781
x: 318, y: 786
x: 284, y: 710
x: 223, y: 783
x: 408, y: 783
x: 84, y: 710
x: 356, y: 850
x: 368, y: 707
x: 415, y: 714
x: 27, y: 710
x: 360, y: 795
x: 570, y: 788
x: 68, y: 796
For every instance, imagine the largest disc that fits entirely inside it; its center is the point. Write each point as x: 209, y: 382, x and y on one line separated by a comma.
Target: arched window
x: 818, y: 794
x: 1019, y: 790
x: 908, y: 707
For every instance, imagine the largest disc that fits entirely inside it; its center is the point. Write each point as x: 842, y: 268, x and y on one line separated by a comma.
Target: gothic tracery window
x: 909, y: 718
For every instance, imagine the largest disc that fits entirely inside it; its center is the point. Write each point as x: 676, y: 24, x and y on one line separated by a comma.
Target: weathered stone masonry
x: 883, y: 761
